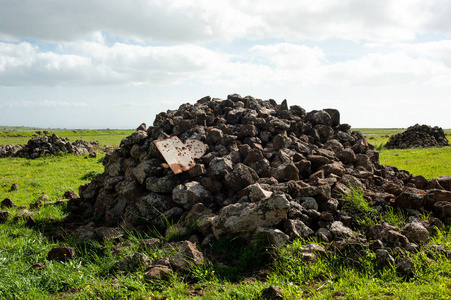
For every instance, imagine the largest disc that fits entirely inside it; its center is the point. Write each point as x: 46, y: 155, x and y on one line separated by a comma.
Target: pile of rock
x: 9, y: 150
x: 40, y: 146
x: 418, y: 136
x: 268, y: 170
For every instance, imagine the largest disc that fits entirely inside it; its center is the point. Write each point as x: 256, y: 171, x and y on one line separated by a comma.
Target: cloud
x: 93, y: 63
x: 192, y: 21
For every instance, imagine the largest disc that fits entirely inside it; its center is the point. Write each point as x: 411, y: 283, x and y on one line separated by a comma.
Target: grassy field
x: 93, y: 273
x: 430, y: 163
x: 110, y: 137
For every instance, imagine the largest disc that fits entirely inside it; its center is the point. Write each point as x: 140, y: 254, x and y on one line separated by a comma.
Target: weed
x: 89, y: 175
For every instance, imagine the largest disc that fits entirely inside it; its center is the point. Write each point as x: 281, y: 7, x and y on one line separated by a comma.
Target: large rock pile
x: 268, y: 169
x: 40, y: 146
x: 418, y: 136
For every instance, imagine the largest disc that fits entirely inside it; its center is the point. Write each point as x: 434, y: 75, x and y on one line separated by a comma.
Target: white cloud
x: 203, y: 20
x: 93, y: 63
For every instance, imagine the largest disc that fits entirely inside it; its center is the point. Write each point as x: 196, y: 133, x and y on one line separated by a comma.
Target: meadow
x: 93, y: 274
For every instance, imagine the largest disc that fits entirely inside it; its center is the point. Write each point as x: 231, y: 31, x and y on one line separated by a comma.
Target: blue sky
x: 116, y: 64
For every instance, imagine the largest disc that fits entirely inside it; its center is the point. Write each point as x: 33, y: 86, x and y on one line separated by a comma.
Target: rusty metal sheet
x: 180, y: 156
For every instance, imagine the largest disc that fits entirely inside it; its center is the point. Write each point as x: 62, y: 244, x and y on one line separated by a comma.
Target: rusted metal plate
x: 180, y: 156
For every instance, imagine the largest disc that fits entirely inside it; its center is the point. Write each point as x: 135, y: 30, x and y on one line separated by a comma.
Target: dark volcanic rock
x: 268, y: 170
x: 418, y: 136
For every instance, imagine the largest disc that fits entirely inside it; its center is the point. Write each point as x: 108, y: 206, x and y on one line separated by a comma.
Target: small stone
x: 38, y: 266
x: 4, y: 215
x: 7, y: 203
x: 160, y: 272
x: 14, y: 187
x: 384, y: 257
x: 187, y: 255
x: 61, y: 254
x: 150, y: 244
x: 275, y: 237
x: 309, y: 203
x: 340, y: 231
x: 71, y: 195
x: 240, y: 177
x: 416, y: 233
x: 272, y: 293
x: 257, y: 193
x: 406, y: 266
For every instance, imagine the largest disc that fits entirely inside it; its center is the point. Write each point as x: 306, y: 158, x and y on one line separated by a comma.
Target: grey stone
x: 187, y: 255
x: 406, y: 266
x: 240, y: 177
x: 339, y: 231
x: 416, y: 233
x: 220, y: 166
x: 245, y: 218
x: 188, y: 194
x: 297, y: 229
x: 275, y: 237
x: 384, y: 257
x: 257, y: 193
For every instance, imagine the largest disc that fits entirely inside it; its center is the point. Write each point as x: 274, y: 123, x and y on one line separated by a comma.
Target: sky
x: 115, y: 64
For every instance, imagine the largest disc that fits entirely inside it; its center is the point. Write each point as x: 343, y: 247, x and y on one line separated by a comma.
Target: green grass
x: 47, y: 175
x: 428, y: 162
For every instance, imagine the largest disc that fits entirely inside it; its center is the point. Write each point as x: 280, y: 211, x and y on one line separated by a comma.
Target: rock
x: 384, y: 257
x: 309, y: 203
x: 4, y: 215
x: 410, y: 198
x: 240, y: 177
x: 61, y: 254
x: 14, y: 187
x: 157, y: 272
x: 39, y: 146
x: 263, y: 167
x: 220, y: 166
x: 313, y: 248
x: 108, y: 233
x: 161, y: 185
x: 38, y: 266
x: 257, y: 193
x: 247, y: 217
x: 272, y: 293
x: 406, y: 266
x: 7, y: 203
x: 324, y: 235
x: 275, y: 237
x: 416, y: 233
x: 187, y: 255
x: 191, y: 193
x: 339, y: 231
x: 297, y: 229
x: 418, y: 136
x: 285, y: 172
x: 71, y: 195
x: 442, y: 209
x: 150, y: 244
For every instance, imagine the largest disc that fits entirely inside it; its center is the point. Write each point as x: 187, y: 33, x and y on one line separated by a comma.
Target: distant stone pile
x: 268, y: 169
x: 418, y: 136
x: 40, y: 146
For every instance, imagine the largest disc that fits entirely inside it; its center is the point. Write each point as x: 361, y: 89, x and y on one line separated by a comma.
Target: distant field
x: 428, y: 162
x: 380, y: 136
x: 16, y: 136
